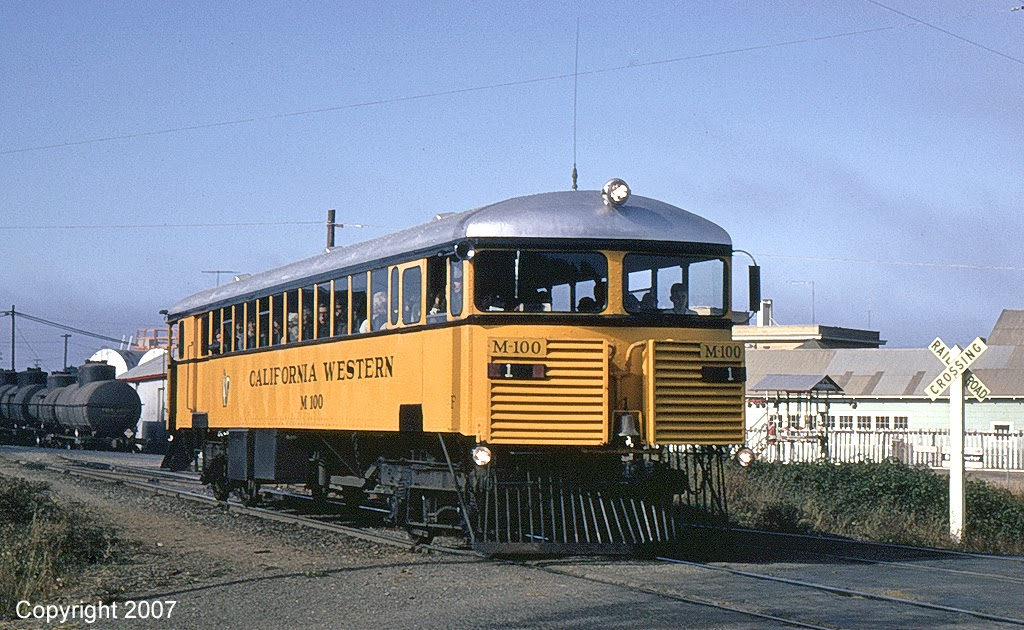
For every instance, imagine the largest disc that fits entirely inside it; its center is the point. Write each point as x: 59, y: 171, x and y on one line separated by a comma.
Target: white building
x: 149, y: 378
x: 883, y: 393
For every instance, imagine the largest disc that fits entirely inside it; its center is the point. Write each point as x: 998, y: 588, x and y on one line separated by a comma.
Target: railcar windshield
x: 539, y: 281
x: 682, y: 285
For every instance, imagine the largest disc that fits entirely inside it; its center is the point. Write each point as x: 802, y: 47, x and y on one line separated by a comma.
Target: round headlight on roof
x: 615, y: 192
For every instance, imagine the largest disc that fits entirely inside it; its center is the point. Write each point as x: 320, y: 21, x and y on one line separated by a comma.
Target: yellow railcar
x: 559, y: 351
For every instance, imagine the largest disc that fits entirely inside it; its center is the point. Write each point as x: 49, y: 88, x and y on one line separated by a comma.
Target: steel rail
x: 263, y: 513
x: 676, y: 597
x: 901, y: 564
x: 867, y: 543
x: 846, y: 591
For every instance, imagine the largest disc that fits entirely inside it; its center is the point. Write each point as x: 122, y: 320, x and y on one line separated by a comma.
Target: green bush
x: 44, y: 541
x: 886, y: 502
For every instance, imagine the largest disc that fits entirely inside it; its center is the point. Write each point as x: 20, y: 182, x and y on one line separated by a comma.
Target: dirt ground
x: 227, y: 570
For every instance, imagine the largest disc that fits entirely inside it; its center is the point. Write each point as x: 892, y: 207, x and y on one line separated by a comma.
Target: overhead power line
x: 951, y: 34
x: 492, y: 86
x: 78, y: 331
x: 128, y: 226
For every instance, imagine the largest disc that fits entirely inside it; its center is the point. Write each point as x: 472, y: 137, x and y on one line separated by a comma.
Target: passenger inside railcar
x: 379, y: 307
x: 250, y: 334
x: 307, y: 323
x: 359, y: 322
x: 681, y: 300
x: 215, y: 345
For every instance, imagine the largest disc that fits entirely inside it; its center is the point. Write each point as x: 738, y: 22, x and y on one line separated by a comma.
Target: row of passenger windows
x: 353, y: 304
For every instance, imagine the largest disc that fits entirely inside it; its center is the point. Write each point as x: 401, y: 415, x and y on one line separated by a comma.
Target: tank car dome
x: 122, y: 360
x: 152, y: 355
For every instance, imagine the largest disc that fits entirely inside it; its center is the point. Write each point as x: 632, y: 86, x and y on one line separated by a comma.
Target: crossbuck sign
x: 957, y: 362
x: 957, y: 377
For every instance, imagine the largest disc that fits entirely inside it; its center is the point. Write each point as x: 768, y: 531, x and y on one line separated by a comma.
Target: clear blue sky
x: 874, y: 148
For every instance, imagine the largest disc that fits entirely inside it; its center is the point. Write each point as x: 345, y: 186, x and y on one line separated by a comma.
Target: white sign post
x: 957, y: 364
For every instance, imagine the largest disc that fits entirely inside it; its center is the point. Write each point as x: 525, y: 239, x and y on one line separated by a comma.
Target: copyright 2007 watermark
x: 142, y: 609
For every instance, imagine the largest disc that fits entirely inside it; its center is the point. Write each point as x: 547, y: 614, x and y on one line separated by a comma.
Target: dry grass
x: 44, y: 542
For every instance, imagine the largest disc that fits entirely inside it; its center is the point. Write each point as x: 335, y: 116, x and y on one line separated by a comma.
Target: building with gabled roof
x: 883, y: 389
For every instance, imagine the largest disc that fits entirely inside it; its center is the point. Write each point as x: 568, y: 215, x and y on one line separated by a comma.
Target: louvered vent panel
x: 568, y: 406
x: 688, y: 410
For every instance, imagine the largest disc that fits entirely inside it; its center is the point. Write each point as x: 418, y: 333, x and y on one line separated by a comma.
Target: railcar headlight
x: 615, y: 192
x: 482, y: 455
x: 745, y: 456
x: 464, y: 250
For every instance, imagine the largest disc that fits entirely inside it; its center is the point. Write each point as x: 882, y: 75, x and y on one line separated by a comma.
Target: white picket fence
x: 985, y: 451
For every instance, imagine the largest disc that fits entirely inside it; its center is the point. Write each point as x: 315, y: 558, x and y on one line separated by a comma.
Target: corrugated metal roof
x: 557, y: 215
x: 1009, y: 329
x: 795, y: 383
x: 883, y: 372
x: 150, y: 370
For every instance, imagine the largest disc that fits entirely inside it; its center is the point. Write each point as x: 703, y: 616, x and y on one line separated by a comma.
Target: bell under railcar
x: 548, y: 372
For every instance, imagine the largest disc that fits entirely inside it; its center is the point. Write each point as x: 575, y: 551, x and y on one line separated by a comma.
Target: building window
x: 864, y: 422
x: 1001, y: 430
x: 845, y: 422
x: 900, y: 422
x: 881, y: 422
x: 830, y: 422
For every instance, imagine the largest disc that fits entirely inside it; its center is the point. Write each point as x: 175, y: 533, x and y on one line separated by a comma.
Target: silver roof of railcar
x: 558, y: 215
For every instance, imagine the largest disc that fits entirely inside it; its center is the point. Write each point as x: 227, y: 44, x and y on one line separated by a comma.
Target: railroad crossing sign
x: 955, y: 377
x: 957, y: 364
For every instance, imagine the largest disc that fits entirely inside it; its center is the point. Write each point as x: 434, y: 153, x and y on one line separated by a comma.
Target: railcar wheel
x: 420, y: 536
x: 216, y: 476
x: 249, y: 493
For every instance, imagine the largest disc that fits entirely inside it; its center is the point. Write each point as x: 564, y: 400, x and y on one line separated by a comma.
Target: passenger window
x: 437, y: 288
x: 291, y: 304
x: 360, y: 304
x: 216, y: 341
x: 263, y: 322
x: 412, y: 295
x: 250, y: 325
x: 455, y: 288
x: 204, y: 334
x: 394, y: 295
x: 341, y: 306
x: 239, y: 327
x: 306, y: 307
x: 323, y: 310
x: 277, y: 320
x: 681, y: 285
x: 538, y: 281
x: 379, y: 303
x: 179, y: 346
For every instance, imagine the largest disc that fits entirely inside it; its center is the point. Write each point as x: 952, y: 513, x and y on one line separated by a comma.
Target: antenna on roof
x: 575, y: 82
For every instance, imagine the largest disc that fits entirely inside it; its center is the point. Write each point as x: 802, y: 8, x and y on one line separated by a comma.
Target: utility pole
x: 330, y: 229
x: 12, y: 337
x: 66, y: 337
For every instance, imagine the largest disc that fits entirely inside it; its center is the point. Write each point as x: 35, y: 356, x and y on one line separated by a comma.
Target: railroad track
x: 685, y: 588
x: 188, y: 487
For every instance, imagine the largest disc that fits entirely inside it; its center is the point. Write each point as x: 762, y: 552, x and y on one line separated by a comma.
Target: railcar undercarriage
x: 527, y: 500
